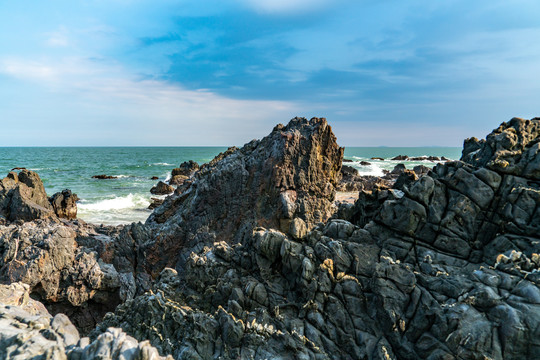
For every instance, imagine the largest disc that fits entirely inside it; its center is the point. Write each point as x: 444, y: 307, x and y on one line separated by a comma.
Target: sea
x: 126, y: 199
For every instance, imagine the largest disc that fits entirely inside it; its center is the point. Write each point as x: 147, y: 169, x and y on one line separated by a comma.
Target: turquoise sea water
x: 126, y: 199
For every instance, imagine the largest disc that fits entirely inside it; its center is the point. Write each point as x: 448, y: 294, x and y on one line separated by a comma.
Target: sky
x: 207, y: 72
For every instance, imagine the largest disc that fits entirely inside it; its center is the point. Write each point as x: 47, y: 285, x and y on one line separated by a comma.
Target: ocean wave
x: 118, y: 203
x: 162, y: 164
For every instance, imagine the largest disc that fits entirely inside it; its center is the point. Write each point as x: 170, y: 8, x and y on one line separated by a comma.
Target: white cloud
x: 107, y: 105
x: 58, y: 38
x: 286, y: 6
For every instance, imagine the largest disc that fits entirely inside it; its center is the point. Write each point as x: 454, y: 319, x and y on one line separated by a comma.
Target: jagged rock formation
x: 23, y: 197
x: 445, y: 268
x: 27, y: 331
x: 286, y: 181
x: 68, y: 278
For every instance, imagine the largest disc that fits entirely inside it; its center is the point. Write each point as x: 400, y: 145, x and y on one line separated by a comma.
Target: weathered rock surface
x: 23, y: 197
x: 27, y: 331
x: 291, y: 173
x: 67, y: 277
x: 447, y: 267
x: 513, y: 148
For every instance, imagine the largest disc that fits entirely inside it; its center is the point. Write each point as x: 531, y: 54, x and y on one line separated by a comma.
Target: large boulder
x: 291, y: 173
x: 162, y: 188
x: 23, y: 197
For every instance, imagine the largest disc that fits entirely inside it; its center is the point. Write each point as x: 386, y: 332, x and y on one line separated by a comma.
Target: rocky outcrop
x: 183, y: 172
x: 444, y: 268
x: 162, y: 189
x: 444, y: 265
x: 23, y: 197
x: 28, y: 331
x: 511, y: 149
x: 286, y: 181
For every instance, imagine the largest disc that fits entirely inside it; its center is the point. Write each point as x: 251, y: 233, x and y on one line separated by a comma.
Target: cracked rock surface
x: 245, y: 261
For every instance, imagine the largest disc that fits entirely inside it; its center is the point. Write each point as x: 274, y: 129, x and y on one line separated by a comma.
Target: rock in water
x: 291, y: 173
x: 162, y: 189
x: 104, y: 177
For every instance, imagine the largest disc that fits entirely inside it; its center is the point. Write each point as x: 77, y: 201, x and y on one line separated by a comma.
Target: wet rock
x: 155, y: 203
x: 186, y: 169
x: 104, y: 177
x: 162, y: 189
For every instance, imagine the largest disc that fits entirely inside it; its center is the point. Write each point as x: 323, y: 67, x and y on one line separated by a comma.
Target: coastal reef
x: 251, y: 258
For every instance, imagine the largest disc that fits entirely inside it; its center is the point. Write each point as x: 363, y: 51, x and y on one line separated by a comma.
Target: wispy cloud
x: 139, y: 111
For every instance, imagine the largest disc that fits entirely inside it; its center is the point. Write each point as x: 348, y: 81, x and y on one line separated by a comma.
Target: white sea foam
x: 162, y: 164
x: 118, y: 203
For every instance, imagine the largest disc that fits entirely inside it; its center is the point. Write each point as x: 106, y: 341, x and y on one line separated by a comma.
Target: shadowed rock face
x: 285, y: 181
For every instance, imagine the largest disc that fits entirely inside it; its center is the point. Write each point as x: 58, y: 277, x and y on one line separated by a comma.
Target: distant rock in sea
x: 104, y: 177
x: 162, y: 189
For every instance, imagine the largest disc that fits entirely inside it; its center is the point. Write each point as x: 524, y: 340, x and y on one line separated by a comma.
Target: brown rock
x: 65, y: 204
x: 162, y: 189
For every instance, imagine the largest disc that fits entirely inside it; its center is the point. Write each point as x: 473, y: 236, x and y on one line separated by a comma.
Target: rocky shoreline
x: 252, y: 257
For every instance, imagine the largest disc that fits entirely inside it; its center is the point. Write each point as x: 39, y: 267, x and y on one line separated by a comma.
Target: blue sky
x: 383, y: 72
